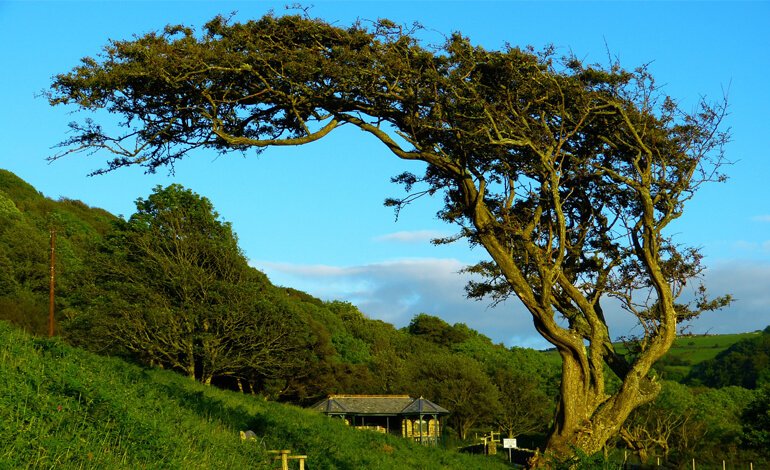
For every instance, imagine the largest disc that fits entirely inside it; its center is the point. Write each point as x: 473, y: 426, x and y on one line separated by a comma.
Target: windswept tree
x: 568, y: 174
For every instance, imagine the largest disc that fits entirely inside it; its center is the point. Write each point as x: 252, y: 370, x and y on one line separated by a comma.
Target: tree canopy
x: 744, y: 364
x: 568, y: 174
x: 172, y: 288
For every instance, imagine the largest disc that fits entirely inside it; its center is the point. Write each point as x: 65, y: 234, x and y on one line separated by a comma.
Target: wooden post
x: 51, y: 285
x: 283, y: 456
x: 301, y: 459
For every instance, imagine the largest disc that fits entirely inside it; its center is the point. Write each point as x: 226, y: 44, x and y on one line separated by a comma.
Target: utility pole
x: 52, y: 284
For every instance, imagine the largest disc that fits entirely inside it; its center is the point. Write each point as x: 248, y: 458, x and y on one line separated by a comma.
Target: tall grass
x: 61, y: 407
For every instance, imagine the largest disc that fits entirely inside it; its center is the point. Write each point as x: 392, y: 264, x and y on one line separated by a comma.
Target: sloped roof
x: 423, y: 406
x: 377, y: 405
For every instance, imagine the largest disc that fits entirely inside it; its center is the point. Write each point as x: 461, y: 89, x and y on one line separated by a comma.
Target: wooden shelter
x: 413, y: 418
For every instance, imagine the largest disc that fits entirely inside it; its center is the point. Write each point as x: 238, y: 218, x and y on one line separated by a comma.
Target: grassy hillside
x: 26, y: 220
x: 686, y: 352
x: 61, y: 407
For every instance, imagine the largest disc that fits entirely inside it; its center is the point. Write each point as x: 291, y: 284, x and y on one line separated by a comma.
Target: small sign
x: 509, y: 443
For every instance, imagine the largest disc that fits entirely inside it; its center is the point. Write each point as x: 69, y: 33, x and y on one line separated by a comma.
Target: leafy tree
x: 744, y: 364
x: 721, y: 411
x: 457, y: 383
x: 524, y: 406
x: 436, y: 330
x: 685, y: 422
x: 756, y: 420
x: 568, y: 174
x: 173, y: 289
x: 667, y: 422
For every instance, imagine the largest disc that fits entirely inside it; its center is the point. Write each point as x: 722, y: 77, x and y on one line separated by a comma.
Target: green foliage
x: 8, y: 209
x: 756, y: 420
x: 459, y: 384
x: 17, y: 189
x: 688, y: 351
x: 172, y: 288
x: 744, y: 364
x: 524, y: 406
x: 685, y: 423
x: 66, y: 408
x: 567, y: 174
x: 26, y: 220
x: 436, y: 330
x: 337, y: 349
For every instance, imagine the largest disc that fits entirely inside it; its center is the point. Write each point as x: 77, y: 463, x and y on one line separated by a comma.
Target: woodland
x: 169, y: 288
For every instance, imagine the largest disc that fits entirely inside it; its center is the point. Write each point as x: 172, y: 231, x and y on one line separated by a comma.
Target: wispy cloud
x: 761, y: 218
x: 755, y: 247
x: 749, y: 284
x: 395, y: 291
x: 417, y: 236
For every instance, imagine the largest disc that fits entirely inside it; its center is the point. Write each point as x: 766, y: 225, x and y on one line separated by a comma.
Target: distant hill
x: 692, y: 350
x: 687, y: 352
x: 745, y: 363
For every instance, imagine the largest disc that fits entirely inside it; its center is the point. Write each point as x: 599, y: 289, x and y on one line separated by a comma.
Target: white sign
x: 509, y: 443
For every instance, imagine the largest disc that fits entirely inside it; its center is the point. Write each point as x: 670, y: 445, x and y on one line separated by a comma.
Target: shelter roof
x: 377, y: 405
x: 421, y: 405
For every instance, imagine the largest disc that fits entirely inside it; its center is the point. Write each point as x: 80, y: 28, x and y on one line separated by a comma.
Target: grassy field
x: 61, y: 407
x: 686, y: 352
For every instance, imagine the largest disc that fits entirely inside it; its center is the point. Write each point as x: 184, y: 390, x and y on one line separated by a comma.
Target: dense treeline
x: 169, y: 287
x: 744, y: 364
x: 26, y: 220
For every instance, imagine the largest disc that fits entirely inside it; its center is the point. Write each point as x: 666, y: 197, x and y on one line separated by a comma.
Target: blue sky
x: 312, y: 217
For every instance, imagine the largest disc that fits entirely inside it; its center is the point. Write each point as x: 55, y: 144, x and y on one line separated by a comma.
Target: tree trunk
x: 190, y: 361
x: 586, y: 418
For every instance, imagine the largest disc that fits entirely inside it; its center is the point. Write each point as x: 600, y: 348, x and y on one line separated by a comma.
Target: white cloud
x: 757, y: 248
x: 749, y: 284
x: 395, y: 291
x: 416, y: 236
x: 761, y: 218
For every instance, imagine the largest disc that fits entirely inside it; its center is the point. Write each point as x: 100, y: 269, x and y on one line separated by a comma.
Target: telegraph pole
x: 52, y: 284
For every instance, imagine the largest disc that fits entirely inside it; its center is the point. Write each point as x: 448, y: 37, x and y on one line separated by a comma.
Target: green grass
x: 686, y: 352
x: 61, y: 407
x: 695, y: 349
